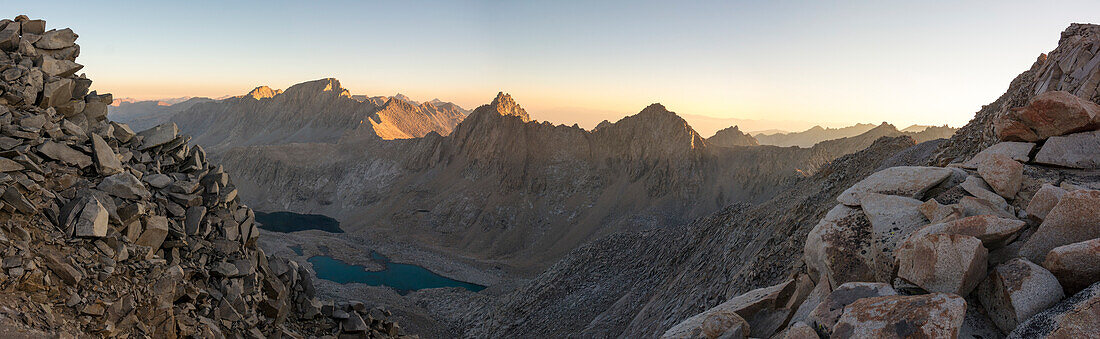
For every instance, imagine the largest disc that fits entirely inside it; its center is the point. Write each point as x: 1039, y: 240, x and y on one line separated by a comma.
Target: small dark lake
x: 286, y: 222
x: 401, y: 277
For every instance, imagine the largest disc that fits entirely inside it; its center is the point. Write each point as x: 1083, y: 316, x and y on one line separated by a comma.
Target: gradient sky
x: 782, y: 63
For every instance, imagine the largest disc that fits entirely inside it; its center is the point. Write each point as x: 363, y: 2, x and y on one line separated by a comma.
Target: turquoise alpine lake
x: 401, y: 277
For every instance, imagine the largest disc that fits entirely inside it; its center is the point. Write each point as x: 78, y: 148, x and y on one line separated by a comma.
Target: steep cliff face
x: 319, y: 111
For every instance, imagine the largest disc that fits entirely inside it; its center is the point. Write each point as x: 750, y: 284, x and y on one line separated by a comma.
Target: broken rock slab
x: 1019, y: 151
x: 64, y: 153
x: 993, y: 231
x: 1017, y: 290
x: 893, y: 218
x: 105, y: 158
x: 837, y: 248
x: 936, y: 315
x: 159, y: 135
x: 724, y: 324
x: 1076, y: 317
x: 1002, y: 173
x: 1073, y: 219
x: 826, y: 314
x: 124, y: 185
x: 1076, y: 265
x: 92, y: 220
x: 948, y: 263
x: 765, y: 309
x: 1048, y: 114
x: 156, y: 229
x: 1078, y: 150
x: 1044, y: 200
x: 908, y: 181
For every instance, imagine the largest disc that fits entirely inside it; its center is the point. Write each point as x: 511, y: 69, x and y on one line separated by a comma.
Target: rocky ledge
x: 1005, y: 243
x: 115, y: 233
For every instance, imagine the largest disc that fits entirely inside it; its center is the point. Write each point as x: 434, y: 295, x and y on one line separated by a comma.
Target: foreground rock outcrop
x: 113, y: 233
x: 973, y: 233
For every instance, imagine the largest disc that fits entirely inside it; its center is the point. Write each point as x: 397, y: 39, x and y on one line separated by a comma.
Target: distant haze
x: 786, y: 65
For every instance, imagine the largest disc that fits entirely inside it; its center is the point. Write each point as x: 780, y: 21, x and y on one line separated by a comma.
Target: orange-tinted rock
x: 1017, y: 290
x: 826, y: 314
x: 949, y: 263
x: 724, y: 323
x: 1002, y: 173
x: 836, y: 249
x: 1044, y: 200
x: 936, y: 315
x: 1048, y: 114
x: 993, y: 231
x: 1075, y: 265
x: 1075, y: 218
x: 1076, y: 317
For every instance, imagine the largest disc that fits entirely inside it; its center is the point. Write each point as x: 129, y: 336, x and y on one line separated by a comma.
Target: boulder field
x: 1009, y: 238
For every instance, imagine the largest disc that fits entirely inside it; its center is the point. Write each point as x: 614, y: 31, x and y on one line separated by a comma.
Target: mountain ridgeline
x: 493, y: 185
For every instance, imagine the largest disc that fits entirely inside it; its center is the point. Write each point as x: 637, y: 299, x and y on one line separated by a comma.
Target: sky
x: 762, y: 64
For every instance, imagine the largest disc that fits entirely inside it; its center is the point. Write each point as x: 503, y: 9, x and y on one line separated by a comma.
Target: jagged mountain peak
x: 732, y: 136
x: 262, y: 92
x: 503, y: 104
x: 318, y: 86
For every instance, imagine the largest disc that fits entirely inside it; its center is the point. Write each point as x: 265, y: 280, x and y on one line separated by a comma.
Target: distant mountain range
x: 818, y: 134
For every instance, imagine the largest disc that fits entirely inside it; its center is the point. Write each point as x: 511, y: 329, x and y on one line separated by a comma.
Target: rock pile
x: 116, y: 233
x: 1005, y: 243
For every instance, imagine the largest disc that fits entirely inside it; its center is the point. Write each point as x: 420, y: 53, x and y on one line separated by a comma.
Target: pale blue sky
x: 797, y: 63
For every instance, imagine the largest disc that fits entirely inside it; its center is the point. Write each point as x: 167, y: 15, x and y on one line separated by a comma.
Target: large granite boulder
x: 936, y: 315
x: 1044, y: 200
x: 993, y: 231
x: 1002, y: 173
x: 1048, y: 114
x: 1076, y: 317
x: 836, y: 250
x: 826, y: 314
x: 1017, y: 290
x: 949, y: 263
x: 893, y: 218
x: 765, y: 309
x: 1078, y: 150
x: 1019, y: 151
x: 909, y: 181
x: 1073, y: 219
x: 1076, y: 265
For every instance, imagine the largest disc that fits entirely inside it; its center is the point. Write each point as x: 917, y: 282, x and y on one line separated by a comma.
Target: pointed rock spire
x: 504, y: 105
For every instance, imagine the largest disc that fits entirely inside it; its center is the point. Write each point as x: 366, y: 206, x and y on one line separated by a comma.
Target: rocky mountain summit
x: 108, y: 232
x: 730, y: 137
